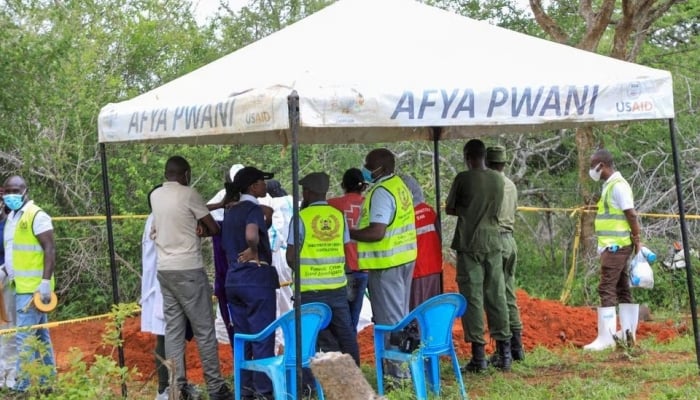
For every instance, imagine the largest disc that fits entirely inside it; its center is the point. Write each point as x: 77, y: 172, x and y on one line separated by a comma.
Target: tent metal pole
x: 437, y: 133
x: 293, y: 105
x: 110, y: 243
x: 684, y: 237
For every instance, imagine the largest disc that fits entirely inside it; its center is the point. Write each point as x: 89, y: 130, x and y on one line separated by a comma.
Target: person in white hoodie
x: 281, y: 204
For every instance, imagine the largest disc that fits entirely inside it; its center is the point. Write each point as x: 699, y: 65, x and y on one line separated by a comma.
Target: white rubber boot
x: 607, y: 325
x: 629, y: 319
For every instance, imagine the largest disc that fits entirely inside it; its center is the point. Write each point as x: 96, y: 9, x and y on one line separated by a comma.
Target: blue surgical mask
x: 13, y: 201
x: 367, y: 175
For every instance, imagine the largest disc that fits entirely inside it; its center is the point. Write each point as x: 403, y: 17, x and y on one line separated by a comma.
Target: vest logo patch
x: 325, y: 228
x: 405, y: 199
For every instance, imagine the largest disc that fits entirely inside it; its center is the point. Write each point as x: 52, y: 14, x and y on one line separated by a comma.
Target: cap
x: 496, y: 154
x: 274, y: 188
x: 234, y: 169
x: 247, y: 176
x: 316, y: 182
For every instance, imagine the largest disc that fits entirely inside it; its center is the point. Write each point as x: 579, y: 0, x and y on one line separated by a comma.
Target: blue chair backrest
x: 314, y: 317
x: 436, y: 317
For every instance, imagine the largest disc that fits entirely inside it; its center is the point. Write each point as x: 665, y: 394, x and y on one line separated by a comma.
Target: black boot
x: 502, y: 359
x: 516, y: 346
x: 478, y: 362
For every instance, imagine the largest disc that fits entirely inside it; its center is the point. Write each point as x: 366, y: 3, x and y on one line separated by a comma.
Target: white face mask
x: 595, y: 172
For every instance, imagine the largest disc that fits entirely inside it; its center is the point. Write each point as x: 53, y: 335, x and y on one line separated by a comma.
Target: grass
x: 649, y: 371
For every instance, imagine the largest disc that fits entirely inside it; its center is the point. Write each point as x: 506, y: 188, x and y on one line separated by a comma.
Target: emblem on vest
x: 325, y: 228
x: 405, y: 199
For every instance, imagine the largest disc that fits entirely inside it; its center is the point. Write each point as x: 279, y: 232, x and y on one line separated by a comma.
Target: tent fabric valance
x: 381, y: 71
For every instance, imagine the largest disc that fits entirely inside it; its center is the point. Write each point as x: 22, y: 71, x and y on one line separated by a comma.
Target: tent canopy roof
x: 379, y: 71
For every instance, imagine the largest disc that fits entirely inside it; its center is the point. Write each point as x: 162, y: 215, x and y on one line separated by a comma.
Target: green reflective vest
x: 322, y: 254
x: 399, y: 243
x: 27, y: 253
x: 611, y: 226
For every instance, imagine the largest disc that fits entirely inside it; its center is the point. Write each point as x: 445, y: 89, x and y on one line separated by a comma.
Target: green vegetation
x: 60, y: 62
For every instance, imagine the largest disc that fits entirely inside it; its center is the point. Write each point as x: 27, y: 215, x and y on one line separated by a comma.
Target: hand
x: 248, y: 255
x: 45, y: 290
x: 202, y: 230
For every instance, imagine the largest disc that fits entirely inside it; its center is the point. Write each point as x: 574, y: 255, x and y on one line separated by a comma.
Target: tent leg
x: 110, y: 242
x: 293, y: 104
x: 437, y: 133
x: 684, y: 237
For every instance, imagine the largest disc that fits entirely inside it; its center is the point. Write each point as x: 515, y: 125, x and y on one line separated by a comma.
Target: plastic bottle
x: 649, y: 255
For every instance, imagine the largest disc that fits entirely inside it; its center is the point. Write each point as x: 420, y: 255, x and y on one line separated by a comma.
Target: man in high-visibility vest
x: 323, y: 234
x: 618, y: 233
x: 30, y: 257
x: 386, y: 243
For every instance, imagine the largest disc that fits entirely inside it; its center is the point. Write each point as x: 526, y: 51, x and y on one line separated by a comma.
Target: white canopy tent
x: 363, y: 71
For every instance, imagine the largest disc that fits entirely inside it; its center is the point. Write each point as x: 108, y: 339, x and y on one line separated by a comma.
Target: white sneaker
x: 164, y: 395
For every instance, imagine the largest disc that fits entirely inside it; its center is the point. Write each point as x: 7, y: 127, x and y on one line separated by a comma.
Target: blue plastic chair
x: 435, y: 318
x: 282, y: 369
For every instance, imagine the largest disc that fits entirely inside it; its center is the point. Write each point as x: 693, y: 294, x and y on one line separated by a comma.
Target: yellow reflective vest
x: 322, y: 255
x: 27, y: 253
x: 399, y: 243
x: 611, y: 226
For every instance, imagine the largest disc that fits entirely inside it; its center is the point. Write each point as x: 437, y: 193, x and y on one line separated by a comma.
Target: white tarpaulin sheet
x: 379, y: 71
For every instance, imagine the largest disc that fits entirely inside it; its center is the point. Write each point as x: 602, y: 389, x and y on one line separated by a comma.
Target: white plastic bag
x: 641, y: 274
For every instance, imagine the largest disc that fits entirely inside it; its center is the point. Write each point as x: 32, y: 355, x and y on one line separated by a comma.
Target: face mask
x: 13, y: 201
x: 595, y: 172
x: 367, y: 174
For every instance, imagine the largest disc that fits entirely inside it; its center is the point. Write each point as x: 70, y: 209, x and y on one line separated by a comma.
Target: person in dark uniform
x: 251, y: 280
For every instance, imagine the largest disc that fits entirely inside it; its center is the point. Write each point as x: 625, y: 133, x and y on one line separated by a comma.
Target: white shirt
x: 621, y: 196
x: 42, y: 223
x: 217, y: 214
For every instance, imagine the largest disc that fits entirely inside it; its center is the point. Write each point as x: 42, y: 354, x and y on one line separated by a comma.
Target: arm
x: 636, y: 230
x: 451, y: 204
x: 252, y: 238
x: 47, y: 244
x: 208, y: 226
x: 290, y: 257
x: 374, y: 232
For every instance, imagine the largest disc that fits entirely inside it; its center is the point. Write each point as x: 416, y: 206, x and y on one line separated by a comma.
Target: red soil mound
x: 546, y: 323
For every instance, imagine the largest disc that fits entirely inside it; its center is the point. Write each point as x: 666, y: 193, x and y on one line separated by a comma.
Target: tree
x: 629, y: 27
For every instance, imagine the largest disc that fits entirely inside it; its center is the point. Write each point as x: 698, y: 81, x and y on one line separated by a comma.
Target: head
x: 274, y: 188
x: 177, y: 169
x: 314, y: 187
x: 602, y: 165
x: 249, y: 180
x: 496, y: 158
x: 474, y: 154
x: 414, y: 188
x: 15, y: 192
x: 378, y: 163
x: 353, y: 181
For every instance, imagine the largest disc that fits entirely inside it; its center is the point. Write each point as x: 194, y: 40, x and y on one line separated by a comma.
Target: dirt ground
x: 546, y: 323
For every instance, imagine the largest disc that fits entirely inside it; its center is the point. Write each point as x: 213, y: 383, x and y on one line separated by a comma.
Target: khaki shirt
x: 176, y: 210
